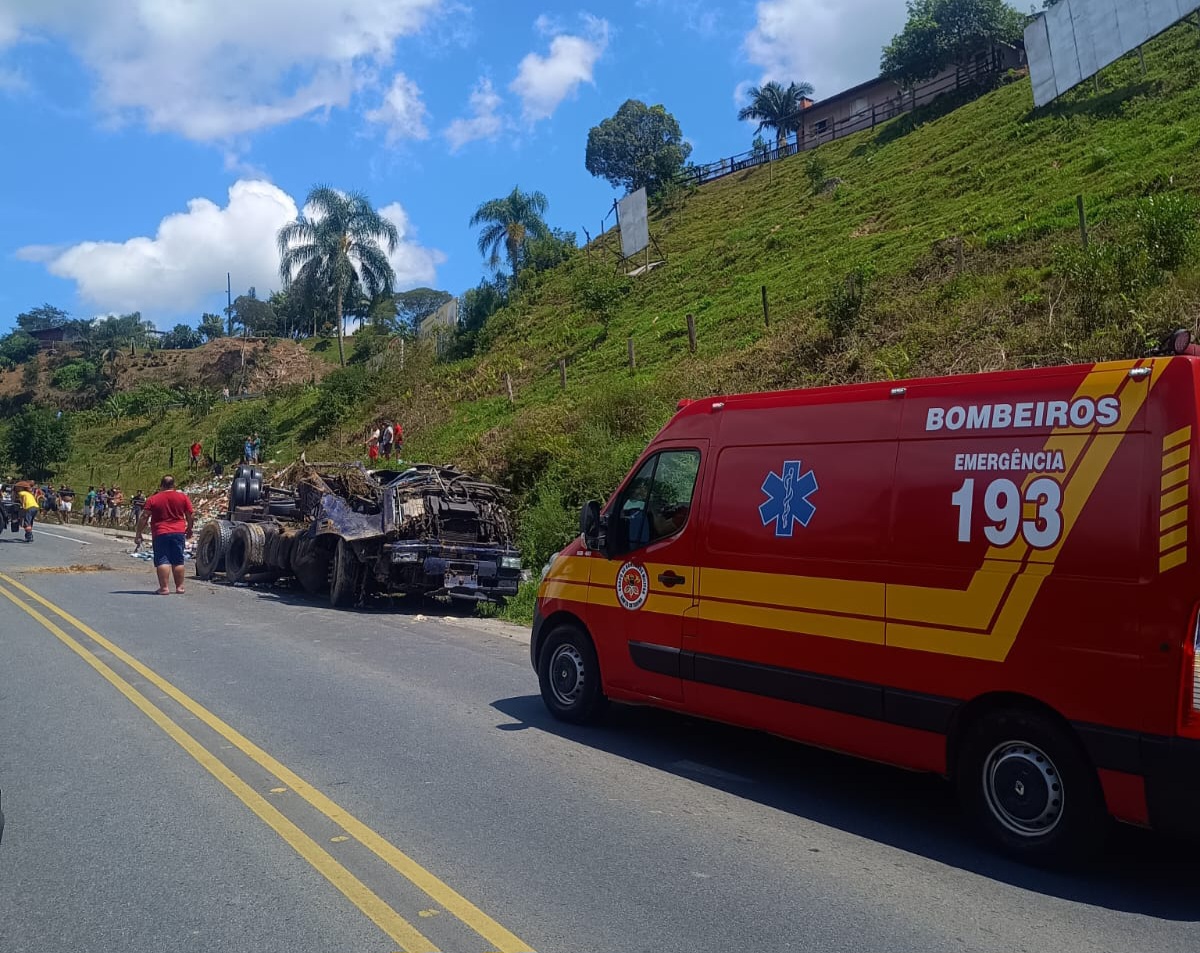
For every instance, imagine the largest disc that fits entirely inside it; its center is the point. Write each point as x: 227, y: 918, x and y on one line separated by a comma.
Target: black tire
x: 247, y: 551
x: 253, y: 491
x: 284, y: 509
x: 237, y: 493
x: 569, y: 676
x: 311, y: 565
x: 242, y: 472
x: 345, y: 576
x: 211, y: 548
x: 256, y: 474
x: 1028, y: 786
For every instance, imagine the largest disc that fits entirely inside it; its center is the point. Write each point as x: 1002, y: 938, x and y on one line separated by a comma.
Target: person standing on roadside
x: 170, y: 515
x: 89, y: 504
x: 29, y: 509
x: 115, y: 499
x: 385, y: 441
x: 248, y: 450
x: 137, y: 504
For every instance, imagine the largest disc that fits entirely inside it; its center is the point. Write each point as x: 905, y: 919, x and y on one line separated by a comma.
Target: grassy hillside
x: 943, y: 242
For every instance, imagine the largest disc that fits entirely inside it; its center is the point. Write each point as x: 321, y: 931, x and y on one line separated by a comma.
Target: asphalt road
x: 247, y: 770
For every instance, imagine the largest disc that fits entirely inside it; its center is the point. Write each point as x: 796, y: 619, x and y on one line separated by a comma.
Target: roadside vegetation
x: 946, y: 241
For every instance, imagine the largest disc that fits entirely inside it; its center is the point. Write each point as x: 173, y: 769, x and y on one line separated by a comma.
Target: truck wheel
x: 247, y: 551
x: 569, y: 676
x: 345, y: 573
x: 1029, y: 788
x: 237, y: 493
x: 311, y: 565
x: 211, y: 548
x: 253, y: 491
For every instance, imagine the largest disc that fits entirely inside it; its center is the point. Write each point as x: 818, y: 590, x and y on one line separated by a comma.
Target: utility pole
x: 229, y: 301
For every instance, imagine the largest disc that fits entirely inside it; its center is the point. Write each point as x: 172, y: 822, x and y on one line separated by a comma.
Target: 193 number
x: 1003, y: 505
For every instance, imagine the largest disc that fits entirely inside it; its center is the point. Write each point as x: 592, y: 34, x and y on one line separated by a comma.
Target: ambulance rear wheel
x: 569, y: 676
x: 1028, y: 786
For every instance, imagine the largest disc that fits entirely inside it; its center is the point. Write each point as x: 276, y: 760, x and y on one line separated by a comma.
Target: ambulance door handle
x: 669, y: 579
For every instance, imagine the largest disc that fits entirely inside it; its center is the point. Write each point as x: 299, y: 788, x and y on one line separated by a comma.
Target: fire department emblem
x: 633, y: 586
x: 787, y: 496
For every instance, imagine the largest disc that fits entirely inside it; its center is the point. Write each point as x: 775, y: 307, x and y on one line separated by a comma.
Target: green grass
x: 994, y: 174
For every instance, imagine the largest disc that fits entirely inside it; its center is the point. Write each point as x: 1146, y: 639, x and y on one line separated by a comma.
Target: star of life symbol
x: 788, y: 495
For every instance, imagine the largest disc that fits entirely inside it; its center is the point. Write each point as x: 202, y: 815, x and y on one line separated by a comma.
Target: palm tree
x: 337, y: 243
x: 508, y: 223
x: 777, y: 107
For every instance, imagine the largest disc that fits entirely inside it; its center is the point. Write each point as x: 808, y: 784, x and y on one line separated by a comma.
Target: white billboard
x: 635, y: 226
x: 1075, y: 39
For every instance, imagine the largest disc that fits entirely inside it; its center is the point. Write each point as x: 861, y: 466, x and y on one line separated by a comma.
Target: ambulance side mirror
x: 590, y: 524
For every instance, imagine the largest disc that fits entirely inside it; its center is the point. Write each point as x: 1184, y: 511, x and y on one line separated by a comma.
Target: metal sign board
x: 635, y: 225
x: 1075, y: 39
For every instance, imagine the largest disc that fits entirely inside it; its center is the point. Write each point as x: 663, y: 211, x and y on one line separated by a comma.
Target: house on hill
x: 876, y: 101
x: 51, y: 339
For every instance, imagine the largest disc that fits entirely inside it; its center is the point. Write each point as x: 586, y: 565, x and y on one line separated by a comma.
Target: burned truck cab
x: 446, y: 534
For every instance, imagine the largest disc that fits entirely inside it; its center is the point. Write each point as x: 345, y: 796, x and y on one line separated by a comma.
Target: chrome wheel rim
x: 1023, y: 788
x: 567, y: 675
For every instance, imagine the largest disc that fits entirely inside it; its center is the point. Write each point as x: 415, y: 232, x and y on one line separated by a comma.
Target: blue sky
x: 151, y: 147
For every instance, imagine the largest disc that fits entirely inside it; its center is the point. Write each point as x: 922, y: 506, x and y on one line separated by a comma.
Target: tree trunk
x: 341, y: 347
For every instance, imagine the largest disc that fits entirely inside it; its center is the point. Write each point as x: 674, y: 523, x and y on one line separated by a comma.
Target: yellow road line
x: 442, y: 893
x: 358, y: 893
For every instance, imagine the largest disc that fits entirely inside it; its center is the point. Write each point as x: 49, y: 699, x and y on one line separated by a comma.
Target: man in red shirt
x: 195, y: 460
x: 170, y: 515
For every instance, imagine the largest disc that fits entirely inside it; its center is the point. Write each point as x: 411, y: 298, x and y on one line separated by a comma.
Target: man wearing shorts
x: 170, y: 515
x: 29, y: 510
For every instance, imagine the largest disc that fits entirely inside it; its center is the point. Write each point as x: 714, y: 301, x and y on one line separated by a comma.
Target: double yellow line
x: 387, y: 919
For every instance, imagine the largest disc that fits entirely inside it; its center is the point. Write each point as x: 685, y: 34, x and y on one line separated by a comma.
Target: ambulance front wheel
x: 1029, y: 787
x: 569, y: 675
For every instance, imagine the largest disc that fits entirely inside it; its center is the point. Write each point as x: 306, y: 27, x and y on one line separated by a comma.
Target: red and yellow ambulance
x: 993, y: 577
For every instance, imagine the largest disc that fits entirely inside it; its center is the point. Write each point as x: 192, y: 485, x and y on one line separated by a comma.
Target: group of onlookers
x: 252, y: 449
x: 383, y: 440
x: 102, y: 505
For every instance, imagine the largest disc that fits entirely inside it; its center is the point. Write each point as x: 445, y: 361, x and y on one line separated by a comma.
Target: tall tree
x: 944, y: 33
x: 414, y: 305
x: 778, y: 108
x: 37, y: 439
x: 640, y: 146
x: 211, y: 327
x: 41, y: 318
x: 508, y: 223
x: 337, y: 243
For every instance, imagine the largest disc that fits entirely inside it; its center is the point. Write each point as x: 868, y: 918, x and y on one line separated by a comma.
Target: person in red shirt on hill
x: 170, y: 515
x: 195, y: 455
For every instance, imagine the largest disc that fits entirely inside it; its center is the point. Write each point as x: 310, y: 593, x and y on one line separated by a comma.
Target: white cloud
x: 221, y: 68
x: 402, y: 111
x: 179, y: 269
x: 833, y: 44
x: 484, y: 121
x: 414, y: 264
x: 545, y: 81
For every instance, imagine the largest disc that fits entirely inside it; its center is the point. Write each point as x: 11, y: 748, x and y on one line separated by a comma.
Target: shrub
x: 74, y: 375
x: 341, y: 392
x: 843, y: 305
x: 1106, y: 278
x: 817, y: 170
x: 598, y: 291
x: 1168, y: 225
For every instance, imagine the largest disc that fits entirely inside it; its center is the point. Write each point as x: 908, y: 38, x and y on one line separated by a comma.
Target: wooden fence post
x: 766, y: 310
x: 691, y: 325
x: 562, y: 373
x: 632, y: 365
x: 962, y: 258
x: 1142, y: 59
x: 508, y: 384
x: 1083, y: 226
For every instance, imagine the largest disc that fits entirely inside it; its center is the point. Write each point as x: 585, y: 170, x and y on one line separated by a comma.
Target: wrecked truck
x: 349, y: 532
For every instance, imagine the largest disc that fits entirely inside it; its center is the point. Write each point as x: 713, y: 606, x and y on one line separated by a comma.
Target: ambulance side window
x: 657, y: 501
